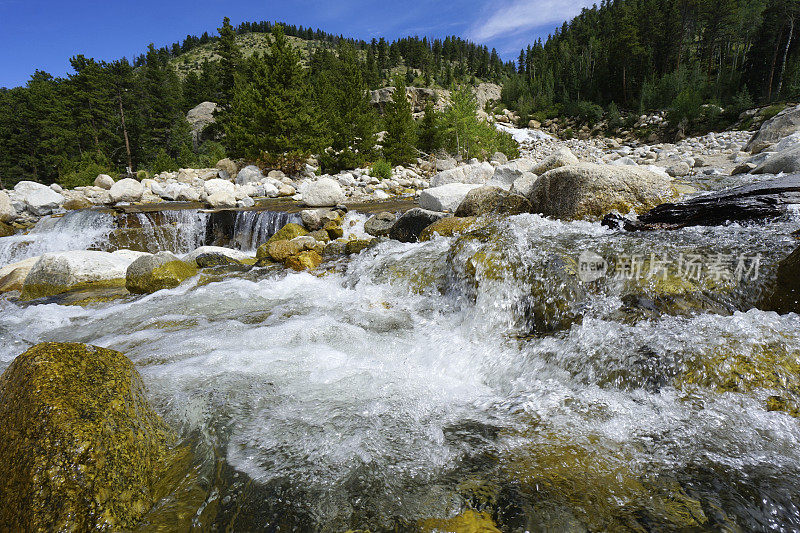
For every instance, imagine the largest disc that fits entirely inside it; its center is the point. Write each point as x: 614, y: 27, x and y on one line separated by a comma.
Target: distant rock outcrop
x: 199, y: 118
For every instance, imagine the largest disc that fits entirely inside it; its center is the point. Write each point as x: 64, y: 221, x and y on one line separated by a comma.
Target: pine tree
x: 272, y: 109
x: 428, y: 138
x: 231, y: 58
x: 398, y: 144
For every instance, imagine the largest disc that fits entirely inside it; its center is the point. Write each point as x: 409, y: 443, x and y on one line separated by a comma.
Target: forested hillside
x: 655, y: 54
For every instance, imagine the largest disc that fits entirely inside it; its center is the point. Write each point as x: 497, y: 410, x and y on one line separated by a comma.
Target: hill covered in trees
x: 655, y: 54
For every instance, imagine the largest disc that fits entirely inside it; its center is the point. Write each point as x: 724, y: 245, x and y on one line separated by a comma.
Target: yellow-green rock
x: 6, y: 230
x: 153, y: 273
x: 467, y: 522
x: 308, y: 260
x: 334, y: 229
x: 80, y: 447
x: 286, y: 233
x: 447, y: 227
x: 356, y: 246
x: 280, y: 251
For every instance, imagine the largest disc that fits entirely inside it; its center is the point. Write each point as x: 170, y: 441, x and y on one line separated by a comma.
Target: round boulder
x: 80, y: 447
x: 104, y: 181
x: 324, y: 192
x: 126, y: 190
x: 151, y: 273
x: 379, y: 225
x: 485, y: 200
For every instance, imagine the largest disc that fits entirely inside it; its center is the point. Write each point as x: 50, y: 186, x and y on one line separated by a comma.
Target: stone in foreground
x: 486, y: 200
x: 80, y: 447
x: 412, y: 222
x: 152, y: 273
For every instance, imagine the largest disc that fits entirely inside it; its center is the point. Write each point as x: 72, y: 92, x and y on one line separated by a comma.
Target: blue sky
x: 44, y: 34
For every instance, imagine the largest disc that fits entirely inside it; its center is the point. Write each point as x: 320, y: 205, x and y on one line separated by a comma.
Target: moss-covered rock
x: 321, y: 235
x: 447, y: 227
x: 334, y: 229
x: 6, y: 230
x: 152, y: 273
x: 286, y: 233
x: 280, y: 251
x: 307, y: 260
x: 490, y: 199
x: 467, y: 522
x: 80, y: 447
x: 356, y: 246
x: 209, y: 260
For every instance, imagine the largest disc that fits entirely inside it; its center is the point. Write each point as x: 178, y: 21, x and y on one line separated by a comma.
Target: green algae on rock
x: 80, y: 447
x: 286, y: 233
x: 447, y: 227
x: 152, y: 273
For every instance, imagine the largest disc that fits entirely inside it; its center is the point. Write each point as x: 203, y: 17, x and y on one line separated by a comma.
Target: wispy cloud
x: 504, y: 19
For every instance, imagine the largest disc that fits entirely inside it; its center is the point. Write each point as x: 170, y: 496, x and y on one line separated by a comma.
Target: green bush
x: 209, y: 153
x: 586, y: 112
x: 163, y: 163
x: 82, y: 172
x: 613, y: 118
x: 381, y: 169
x: 772, y: 110
x: 687, y: 106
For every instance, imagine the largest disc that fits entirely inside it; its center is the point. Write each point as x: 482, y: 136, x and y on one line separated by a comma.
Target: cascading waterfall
x: 178, y: 231
x: 252, y: 228
x: 473, y: 372
x: 76, y: 230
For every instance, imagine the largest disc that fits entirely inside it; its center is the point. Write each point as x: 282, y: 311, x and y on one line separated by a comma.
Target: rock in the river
x: 216, y: 185
x: 447, y: 227
x: 755, y: 201
x: 221, y: 200
x: 126, y: 190
x: 104, y: 181
x: 323, y: 192
x: 39, y: 199
x: 12, y: 277
x: 485, y: 200
x: 230, y: 253
x: 679, y: 169
x: 6, y: 230
x: 308, y: 260
x: 787, y: 161
x: 7, y: 211
x: 151, y: 273
x: 505, y: 175
x: 445, y: 197
x: 286, y: 233
x: 412, y: 222
x: 560, y: 158
x: 591, y: 191
x: 524, y: 185
x: 379, y: 225
x: 80, y: 447
x: 58, y: 272
x: 785, y: 297
x: 773, y: 130
x: 228, y: 167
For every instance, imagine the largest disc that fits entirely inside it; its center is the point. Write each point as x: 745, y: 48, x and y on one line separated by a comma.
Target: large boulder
x: 505, y: 175
x: 379, y: 225
x: 524, y: 185
x: 324, y: 192
x: 591, y: 191
x: 230, y: 253
x: 216, y: 185
x: 126, y: 190
x: 39, y: 199
x: 286, y: 233
x: 58, y: 272
x: 200, y: 117
x: 560, y: 158
x: 7, y: 211
x: 485, y: 200
x: 222, y: 200
x: 477, y: 173
x: 80, y: 447
x: 411, y: 223
x: 773, y: 130
x: 104, y: 181
x: 151, y: 273
x: 249, y: 174
x: 787, y: 161
x: 227, y: 168
x: 445, y: 197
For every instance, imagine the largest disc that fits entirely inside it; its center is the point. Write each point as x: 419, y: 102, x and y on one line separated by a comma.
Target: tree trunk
x: 772, y: 66
x: 125, y: 132
x: 785, y: 53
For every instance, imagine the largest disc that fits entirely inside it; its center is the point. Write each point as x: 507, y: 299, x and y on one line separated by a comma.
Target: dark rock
x: 756, y: 201
x: 485, y: 200
x: 785, y: 297
x: 6, y: 230
x: 80, y: 447
x: 215, y: 260
x: 379, y: 225
x: 409, y: 226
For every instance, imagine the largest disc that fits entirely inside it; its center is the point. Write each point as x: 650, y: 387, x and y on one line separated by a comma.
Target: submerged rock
x: 447, y: 227
x: 152, y: 273
x: 6, y: 230
x: 485, y: 200
x: 590, y: 191
x: 80, y: 447
x: 411, y: 223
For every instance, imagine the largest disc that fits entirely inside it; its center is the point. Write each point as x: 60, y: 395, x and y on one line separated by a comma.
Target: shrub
x: 381, y: 169
x: 772, y: 110
x: 291, y: 163
x: 686, y: 106
x: 82, y: 172
x: 613, y: 117
x: 209, y: 153
x: 163, y: 163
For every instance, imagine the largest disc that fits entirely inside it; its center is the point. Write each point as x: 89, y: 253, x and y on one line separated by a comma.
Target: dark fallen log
x: 756, y: 201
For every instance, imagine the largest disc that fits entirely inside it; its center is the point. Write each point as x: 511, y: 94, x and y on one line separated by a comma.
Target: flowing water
x: 252, y: 228
x: 483, y: 372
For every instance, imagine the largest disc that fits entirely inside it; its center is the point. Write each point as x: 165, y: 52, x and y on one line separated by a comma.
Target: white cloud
x: 517, y: 16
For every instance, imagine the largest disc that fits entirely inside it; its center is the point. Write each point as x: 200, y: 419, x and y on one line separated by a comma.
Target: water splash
x: 252, y: 228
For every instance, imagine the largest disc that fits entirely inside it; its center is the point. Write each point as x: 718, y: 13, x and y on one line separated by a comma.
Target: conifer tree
x: 398, y: 144
x: 428, y: 138
x: 231, y: 58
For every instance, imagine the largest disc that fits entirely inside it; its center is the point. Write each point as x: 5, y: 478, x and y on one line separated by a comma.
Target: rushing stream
x: 416, y: 381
